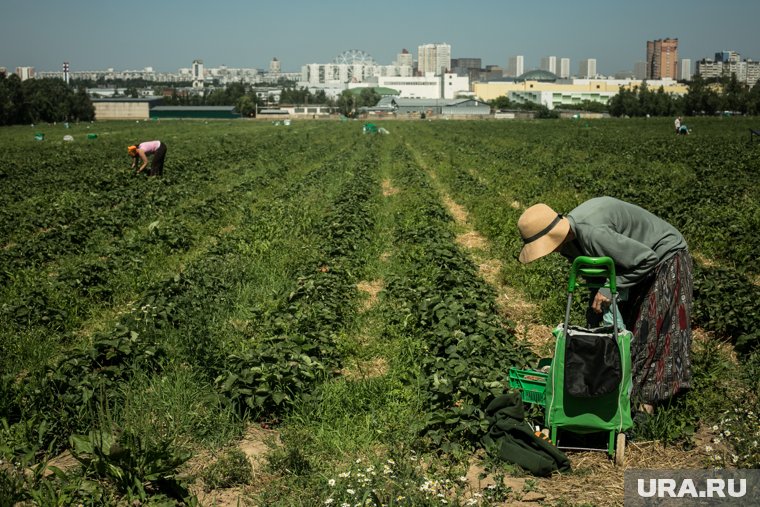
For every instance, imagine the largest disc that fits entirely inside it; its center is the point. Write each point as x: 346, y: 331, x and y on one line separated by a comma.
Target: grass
x: 179, y: 405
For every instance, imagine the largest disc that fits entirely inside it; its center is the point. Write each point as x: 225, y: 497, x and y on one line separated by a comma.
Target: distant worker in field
x: 653, y: 271
x: 155, y: 148
x: 677, y: 124
x: 683, y: 130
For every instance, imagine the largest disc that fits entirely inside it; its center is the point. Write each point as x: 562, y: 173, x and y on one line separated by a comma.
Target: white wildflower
x: 715, y: 428
x: 331, y: 482
x: 329, y: 501
x: 462, y: 479
x: 391, y: 462
x: 727, y: 433
x: 708, y: 448
x: 350, y: 491
x: 344, y: 475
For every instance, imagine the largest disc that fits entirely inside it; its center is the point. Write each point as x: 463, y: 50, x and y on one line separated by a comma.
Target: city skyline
x: 170, y: 35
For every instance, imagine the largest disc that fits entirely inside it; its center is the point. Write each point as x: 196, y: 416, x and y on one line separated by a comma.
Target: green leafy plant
x: 137, y: 469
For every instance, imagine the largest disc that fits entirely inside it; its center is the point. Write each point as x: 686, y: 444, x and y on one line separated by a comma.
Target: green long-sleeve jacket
x: 636, y: 239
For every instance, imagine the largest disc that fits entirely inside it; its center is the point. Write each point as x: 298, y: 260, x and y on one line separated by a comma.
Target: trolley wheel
x: 620, y: 449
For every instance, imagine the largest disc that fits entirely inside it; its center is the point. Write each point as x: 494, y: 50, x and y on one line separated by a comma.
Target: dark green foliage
x: 442, y: 302
x: 41, y: 100
x: 138, y: 469
x: 294, y: 345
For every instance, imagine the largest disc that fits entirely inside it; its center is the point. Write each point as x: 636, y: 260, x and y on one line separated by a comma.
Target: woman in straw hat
x: 155, y: 148
x: 653, y: 271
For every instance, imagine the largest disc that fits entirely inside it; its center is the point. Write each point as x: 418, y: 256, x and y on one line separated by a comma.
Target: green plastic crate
x: 531, y: 383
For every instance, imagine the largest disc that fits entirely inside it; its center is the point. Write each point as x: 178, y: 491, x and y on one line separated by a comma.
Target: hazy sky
x: 169, y: 34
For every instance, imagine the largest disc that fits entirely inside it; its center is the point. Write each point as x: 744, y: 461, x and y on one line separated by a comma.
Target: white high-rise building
x: 404, y: 58
x: 198, y: 75
x: 564, y: 68
x: 549, y: 63
x: 274, y: 66
x: 25, y: 73
x: 434, y: 58
x: 404, y: 64
x: 516, y: 66
x: 684, y: 70
x: 587, y: 68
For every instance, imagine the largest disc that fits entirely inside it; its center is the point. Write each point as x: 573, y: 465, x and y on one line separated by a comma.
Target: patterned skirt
x: 659, y: 314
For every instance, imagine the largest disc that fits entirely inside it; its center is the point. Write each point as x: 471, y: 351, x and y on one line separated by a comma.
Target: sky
x: 170, y: 34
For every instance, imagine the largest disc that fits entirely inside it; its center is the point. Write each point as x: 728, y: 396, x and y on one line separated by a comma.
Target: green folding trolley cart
x: 588, y: 387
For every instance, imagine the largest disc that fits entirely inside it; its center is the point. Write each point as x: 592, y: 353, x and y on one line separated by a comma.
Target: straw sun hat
x: 542, y: 230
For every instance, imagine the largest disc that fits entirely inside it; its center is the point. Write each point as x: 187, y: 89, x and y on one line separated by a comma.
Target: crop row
x: 496, y: 176
x: 439, y: 299
x: 173, y: 321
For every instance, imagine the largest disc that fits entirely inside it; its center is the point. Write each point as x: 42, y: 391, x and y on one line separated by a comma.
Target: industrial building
x: 446, y: 108
x: 200, y: 112
x: 124, y: 108
x: 150, y: 108
x: 542, y: 87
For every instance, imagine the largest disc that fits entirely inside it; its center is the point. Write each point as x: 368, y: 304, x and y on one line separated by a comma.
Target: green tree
x: 700, y: 99
x: 346, y: 104
x: 321, y: 97
x: 234, y: 92
x: 501, y: 102
x: 46, y: 100
x: 646, y: 101
x: 245, y: 106
x: 625, y: 103
x: 11, y: 100
x: 735, y: 95
x: 80, y: 106
x: 368, y: 97
x: 753, y: 100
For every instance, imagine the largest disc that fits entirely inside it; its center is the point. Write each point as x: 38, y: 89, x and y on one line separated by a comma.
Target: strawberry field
x: 314, y: 285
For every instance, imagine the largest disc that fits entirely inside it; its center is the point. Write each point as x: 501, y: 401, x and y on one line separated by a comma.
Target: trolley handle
x: 592, y: 267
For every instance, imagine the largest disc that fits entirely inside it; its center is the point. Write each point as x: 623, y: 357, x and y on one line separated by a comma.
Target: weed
x: 231, y: 469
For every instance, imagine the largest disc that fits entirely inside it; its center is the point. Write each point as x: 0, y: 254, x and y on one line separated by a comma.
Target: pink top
x: 149, y: 146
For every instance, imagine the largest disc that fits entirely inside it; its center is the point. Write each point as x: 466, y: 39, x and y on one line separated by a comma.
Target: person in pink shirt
x: 155, y: 148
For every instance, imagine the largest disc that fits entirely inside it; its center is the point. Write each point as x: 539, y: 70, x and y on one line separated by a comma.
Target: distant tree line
x: 244, y: 98
x: 702, y: 98
x: 42, y: 100
x: 541, y: 111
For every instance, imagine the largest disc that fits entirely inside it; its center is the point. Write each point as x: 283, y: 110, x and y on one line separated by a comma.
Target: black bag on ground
x: 512, y: 439
x: 592, y: 362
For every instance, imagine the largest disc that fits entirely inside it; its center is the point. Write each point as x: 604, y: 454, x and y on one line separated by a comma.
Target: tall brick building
x: 662, y: 59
